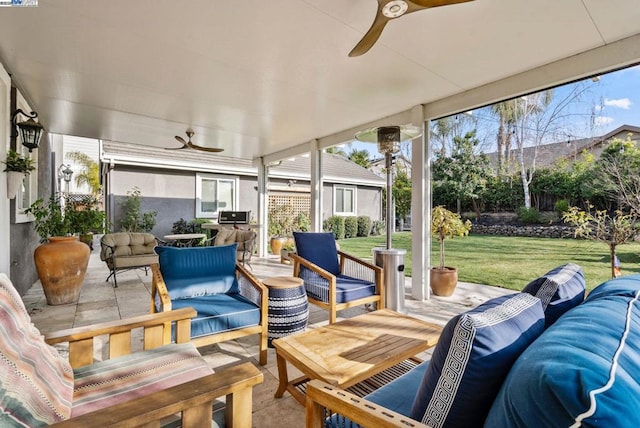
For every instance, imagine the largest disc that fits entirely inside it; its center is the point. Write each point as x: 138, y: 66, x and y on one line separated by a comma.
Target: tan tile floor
x: 99, y: 301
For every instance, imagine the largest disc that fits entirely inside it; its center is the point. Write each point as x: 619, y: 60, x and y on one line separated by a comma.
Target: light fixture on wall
x: 65, y: 172
x: 30, y: 130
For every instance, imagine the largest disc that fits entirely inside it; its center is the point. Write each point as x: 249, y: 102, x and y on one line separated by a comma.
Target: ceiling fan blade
x: 372, y: 35
x: 436, y: 3
x: 205, y: 149
x: 184, y: 144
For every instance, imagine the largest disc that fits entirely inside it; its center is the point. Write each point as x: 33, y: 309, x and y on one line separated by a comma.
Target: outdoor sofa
x: 123, y: 251
x: 39, y: 386
x: 541, y: 358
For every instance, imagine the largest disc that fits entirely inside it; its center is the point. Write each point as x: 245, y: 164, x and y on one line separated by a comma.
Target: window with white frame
x: 344, y: 200
x: 215, y: 193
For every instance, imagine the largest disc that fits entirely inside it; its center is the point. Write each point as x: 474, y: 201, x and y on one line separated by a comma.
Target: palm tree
x: 90, y: 172
x: 360, y: 157
x: 335, y: 150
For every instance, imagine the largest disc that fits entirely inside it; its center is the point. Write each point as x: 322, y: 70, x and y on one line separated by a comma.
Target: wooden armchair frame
x: 324, y: 399
x: 261, y: 297
x: 193, y: 399
x: 332, y: 305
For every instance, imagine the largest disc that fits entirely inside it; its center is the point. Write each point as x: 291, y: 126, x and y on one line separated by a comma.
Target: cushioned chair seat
x: 113, y: 381
x: 219, y: 312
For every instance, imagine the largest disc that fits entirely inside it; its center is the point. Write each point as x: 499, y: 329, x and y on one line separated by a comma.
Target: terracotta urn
x: 61, y: 264
x: 443, y: 281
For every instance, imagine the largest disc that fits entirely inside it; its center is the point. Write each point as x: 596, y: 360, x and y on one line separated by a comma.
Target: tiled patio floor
x: 99, y: 301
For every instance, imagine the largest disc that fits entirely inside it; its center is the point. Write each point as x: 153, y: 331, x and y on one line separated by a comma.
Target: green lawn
x: 510, y: 262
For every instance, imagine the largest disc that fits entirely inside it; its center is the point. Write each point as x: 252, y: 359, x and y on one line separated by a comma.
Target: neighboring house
x: 192, y: 184
x: 378, y: 166
x: 546, y: 155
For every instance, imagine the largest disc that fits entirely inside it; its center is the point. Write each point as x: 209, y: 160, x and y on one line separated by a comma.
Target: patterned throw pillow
x: 36, y: 383
x: 560, y: 289
x: 473, y: 356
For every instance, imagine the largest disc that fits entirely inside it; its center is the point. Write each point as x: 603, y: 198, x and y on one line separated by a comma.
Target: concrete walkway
x: 99, y: 302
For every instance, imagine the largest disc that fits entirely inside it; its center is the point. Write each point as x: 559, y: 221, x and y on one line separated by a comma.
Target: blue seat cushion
x: 473, y: 356
x: 583, y: 369
x: 348, y: 288
x: 198, y: 271
x: 560, y: 289
x: 318, y: 248
x: 397, y: 396
x: 219, y: 312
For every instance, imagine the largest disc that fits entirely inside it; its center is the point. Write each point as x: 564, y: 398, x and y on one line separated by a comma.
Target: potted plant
x: 445, y: 224
x: 16, y: 167
x: 61, y: 260
x: 86, y: 218
x: 281, y: 223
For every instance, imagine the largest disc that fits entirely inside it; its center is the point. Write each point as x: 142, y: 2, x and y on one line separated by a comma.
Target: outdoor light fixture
x: 67, y: 172
x: 30, y: 130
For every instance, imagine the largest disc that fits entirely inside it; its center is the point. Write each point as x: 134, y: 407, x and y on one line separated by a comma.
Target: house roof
x: 548, y: 154
x: 264, y: 79
x: 335, y: 168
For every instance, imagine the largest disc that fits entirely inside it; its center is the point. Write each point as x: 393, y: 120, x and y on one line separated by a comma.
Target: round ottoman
x: 288, y: 306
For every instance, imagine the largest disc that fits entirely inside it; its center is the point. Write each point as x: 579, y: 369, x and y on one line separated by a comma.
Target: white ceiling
x: 259, y: 77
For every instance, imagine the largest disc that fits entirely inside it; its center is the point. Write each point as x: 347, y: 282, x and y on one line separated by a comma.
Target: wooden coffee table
x: 352, y: 350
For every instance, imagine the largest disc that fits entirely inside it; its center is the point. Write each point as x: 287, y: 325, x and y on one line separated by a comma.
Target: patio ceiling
x: 265, y: 77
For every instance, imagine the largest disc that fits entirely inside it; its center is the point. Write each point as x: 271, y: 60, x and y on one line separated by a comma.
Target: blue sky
x: 612, y: 101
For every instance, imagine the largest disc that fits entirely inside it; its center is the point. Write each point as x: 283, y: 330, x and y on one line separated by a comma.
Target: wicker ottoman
x: 288, y: 306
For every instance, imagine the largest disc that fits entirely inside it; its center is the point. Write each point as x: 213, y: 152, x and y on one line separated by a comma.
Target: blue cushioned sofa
x: 546, y: 357
x: 230, y: 301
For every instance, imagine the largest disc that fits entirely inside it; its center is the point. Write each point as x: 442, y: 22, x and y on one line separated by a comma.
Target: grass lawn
x: 510, y: 262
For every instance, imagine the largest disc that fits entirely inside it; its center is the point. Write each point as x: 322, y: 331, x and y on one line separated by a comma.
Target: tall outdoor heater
x: 390, y: 259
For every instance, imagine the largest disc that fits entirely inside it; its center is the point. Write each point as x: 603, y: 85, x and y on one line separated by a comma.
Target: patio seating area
x: 99, y: 301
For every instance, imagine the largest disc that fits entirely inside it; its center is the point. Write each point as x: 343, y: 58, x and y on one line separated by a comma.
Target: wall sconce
x: 30, y: 130
x: 67, y: 172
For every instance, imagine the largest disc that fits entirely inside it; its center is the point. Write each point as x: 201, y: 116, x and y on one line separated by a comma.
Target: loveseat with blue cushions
x: 546, y: 357
x: 229, y: 300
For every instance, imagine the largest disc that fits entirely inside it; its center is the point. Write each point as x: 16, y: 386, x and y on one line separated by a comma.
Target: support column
x: 316, y: 208
x: 263, y: 208
x: 420, y: 208
x: 5, y: 240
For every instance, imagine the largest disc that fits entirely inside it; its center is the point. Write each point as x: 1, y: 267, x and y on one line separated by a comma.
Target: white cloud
x: 603, y: 120
x: 623, y: 103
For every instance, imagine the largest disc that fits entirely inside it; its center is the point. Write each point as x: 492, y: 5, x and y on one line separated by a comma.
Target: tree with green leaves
x: 618, y: 173
x: 335, y: 150
x: 464, y: 173
x: 360, y: 157
x: 401, y: 191
x: 90, y: 172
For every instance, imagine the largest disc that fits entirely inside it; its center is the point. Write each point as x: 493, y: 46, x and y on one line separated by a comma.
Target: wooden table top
x: 179, y: 236
x: 354, y: 349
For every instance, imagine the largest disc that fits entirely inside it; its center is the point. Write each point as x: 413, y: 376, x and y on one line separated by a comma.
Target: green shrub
x: 303, y: 222
x: 528, y: 215
x: 334, y: 224
x: 378, y: 227
x: 562, y: 206
x: 364, y: 225
x: 350, y: 227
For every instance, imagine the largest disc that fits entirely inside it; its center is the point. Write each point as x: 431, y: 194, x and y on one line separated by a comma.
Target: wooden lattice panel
x: 300, y: 203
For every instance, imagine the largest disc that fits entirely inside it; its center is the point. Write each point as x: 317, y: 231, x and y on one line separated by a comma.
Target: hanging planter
x: 17, y: 167
x: 14, y: 183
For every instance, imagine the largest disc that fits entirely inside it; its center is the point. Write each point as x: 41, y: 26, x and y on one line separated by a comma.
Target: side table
x: 288, y: 306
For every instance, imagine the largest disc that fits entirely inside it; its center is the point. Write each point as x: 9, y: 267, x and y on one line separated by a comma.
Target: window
x: 215, y: 193
x: 344, y: 200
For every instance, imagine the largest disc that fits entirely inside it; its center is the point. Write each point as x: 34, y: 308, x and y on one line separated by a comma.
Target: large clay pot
x: 443, y: 281
x: 61, y: 264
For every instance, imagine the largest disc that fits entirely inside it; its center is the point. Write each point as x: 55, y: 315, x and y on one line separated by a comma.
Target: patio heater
x: 390, y: 259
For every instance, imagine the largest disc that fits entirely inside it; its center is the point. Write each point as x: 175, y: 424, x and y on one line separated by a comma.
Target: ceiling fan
x: 392, y: 9
x: 190, y: 145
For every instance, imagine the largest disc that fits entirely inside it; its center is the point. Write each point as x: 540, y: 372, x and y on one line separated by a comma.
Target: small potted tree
x: 445, y: 224
x: 281, y: 224
x: 16, y: 167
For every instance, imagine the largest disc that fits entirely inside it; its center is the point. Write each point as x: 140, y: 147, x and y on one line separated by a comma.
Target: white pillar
x: 316, y: 209
x: 420, y: 208
x: 263, y: 208
x: 5, y: 236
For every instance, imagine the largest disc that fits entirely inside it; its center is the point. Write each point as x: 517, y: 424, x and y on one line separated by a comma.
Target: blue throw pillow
x: 473, y: 356
x: 560, y: 289
x: 583, y: 370
x: 319, y: 249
